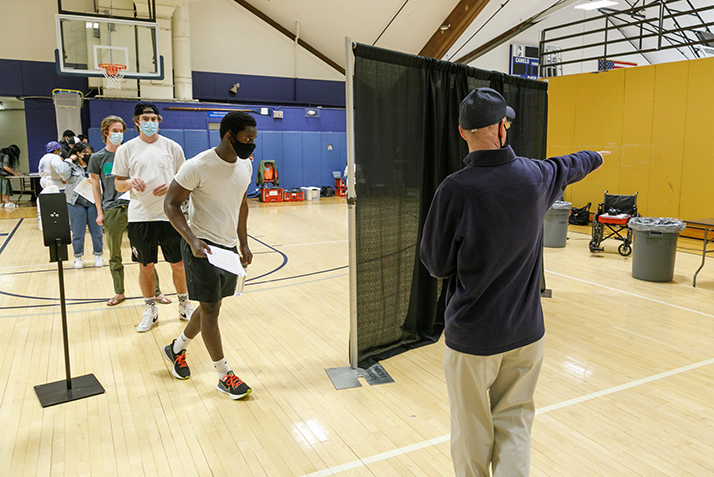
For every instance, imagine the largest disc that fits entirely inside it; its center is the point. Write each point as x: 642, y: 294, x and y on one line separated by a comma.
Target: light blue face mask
x: 116, y: 138
x: 149, y: 127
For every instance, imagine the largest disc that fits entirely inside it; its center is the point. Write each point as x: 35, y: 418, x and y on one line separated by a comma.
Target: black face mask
x: 242, y: 149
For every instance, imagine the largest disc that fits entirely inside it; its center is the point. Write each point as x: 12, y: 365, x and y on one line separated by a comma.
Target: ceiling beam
x: 515, y: 31
x: 458, y: 20
x: 289, y: 34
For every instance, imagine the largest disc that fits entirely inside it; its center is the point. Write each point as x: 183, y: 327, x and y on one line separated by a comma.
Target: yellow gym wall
x: 655, y: 120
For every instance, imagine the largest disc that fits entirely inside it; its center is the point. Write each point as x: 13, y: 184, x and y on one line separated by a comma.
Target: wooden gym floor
x: 627, y: 386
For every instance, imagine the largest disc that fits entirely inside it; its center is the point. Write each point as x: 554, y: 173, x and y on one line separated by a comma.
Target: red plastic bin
x: 271, y: 195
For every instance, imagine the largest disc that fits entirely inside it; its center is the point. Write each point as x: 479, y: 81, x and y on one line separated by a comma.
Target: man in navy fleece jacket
x: 483, y: 234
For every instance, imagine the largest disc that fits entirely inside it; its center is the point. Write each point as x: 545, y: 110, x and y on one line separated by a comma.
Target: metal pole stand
x: 54, y: 222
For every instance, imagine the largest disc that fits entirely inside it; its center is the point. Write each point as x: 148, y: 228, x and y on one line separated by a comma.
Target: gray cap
x: 483, y: 107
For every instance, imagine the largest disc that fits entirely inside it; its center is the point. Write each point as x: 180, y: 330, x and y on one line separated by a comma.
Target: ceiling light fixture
x: 595, y: 4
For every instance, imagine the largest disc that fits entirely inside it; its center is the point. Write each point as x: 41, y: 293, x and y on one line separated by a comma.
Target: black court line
x: 84, y: 301
x: 88, y: 301
x: 301, y: 276
x: 285, y: 260
x: 10, y: 235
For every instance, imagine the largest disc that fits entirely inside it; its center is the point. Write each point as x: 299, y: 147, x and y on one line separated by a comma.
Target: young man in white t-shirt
x: 146, y: 166
x: 217, y: 181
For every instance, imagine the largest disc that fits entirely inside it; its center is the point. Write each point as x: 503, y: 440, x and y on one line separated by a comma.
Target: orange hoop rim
x: 112, y: 68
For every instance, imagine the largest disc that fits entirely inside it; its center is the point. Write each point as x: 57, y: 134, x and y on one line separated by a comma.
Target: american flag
x: 604, y: 65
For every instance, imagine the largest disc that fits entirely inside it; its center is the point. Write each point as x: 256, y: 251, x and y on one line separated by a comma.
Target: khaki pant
x: 492, y: 410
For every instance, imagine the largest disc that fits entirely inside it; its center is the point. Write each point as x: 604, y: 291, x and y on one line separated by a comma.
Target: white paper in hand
x: 152, y: 204
x: 84, y: 188
x: 229, y: 261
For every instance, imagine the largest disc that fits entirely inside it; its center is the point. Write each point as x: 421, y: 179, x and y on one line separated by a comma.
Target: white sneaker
x: 78, y: 262
x: 10, y: 205
x: 149, y: 319
x: 98, y: 261
x: 185, y: 311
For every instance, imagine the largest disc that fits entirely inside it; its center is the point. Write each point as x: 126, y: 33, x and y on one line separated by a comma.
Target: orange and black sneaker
x: 179, y: 368
x: 233, y: 386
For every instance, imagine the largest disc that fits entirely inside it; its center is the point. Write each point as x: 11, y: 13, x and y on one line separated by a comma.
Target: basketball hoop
x: 114, y: 74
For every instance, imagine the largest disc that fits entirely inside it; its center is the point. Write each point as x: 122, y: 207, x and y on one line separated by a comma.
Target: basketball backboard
x: 86, y: 41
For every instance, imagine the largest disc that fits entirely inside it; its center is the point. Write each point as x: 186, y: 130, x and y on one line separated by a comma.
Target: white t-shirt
x: 217, y: 189
x: 49, y: 167
x: 155, y: 163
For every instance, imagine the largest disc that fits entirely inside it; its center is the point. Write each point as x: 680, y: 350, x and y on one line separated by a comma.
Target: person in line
x: 111, y: 207
x: 483, y: 234
x: 68, y: 140
x: 217, y: 181
x: 82, y: 212
x: 49, y: 163
x: 146, y: 165
x: 9, y: 160
x: 50, y: 180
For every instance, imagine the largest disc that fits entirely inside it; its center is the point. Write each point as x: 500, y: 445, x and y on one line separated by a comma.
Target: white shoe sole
x: 173, y: 371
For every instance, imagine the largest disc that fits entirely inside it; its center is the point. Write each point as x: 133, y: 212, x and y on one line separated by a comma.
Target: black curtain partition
x: 406, y: 142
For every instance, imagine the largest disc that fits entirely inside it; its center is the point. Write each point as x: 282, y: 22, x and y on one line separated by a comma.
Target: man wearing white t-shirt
x: 217, y: 181
x: 146, y: 166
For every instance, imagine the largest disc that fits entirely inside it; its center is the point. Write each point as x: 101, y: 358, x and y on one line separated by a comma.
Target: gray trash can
x: 555, y: 225
x: 655, y: 247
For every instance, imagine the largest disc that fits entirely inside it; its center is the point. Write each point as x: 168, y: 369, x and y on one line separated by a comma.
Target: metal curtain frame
x: 351, y: 198
x: 655, y: 25
x: 348, y: 376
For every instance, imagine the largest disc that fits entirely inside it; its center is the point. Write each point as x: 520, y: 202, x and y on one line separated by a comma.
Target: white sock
x: 181, y: 343
x: 221, y: 367
x: 182, y: 297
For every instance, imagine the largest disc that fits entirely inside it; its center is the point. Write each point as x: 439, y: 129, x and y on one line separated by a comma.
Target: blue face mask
x: 116, y: 138
x: 149, y: 127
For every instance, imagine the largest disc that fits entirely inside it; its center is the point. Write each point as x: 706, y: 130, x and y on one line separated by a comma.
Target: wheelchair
x: 610, y: 221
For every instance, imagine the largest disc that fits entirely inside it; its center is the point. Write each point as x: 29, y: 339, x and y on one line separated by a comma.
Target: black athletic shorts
x: 145, y: 238
x: 206, y: 283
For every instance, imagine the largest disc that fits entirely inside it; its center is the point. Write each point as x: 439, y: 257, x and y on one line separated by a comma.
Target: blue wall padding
x: 35, y: 78
x: 334, y: 157
x: 195, y: 142
x: 95, y: 138
x: 41, y: 128
x: 175, y: 135
x: 298, y: 144
x: 292, y: 163
x: 312, y: 155
x: 214, y: 138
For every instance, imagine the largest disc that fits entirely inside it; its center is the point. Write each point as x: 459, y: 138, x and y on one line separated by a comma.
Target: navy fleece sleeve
x: 566, y: 170
x: 443, y: 233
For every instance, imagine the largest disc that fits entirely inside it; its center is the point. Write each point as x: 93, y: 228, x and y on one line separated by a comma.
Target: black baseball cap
x: 483, y: 107
x: 145, y: 107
